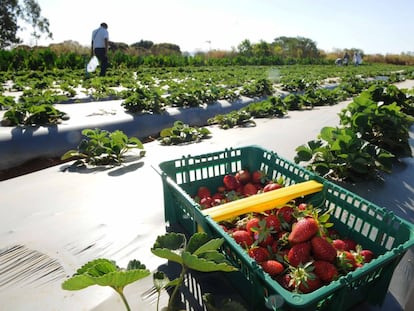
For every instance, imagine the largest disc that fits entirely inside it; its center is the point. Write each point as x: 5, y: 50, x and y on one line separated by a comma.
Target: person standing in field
x: 100, y: 45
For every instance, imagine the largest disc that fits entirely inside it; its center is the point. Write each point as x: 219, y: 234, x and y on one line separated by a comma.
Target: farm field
x: 131, y: 100
x: 101, y: 212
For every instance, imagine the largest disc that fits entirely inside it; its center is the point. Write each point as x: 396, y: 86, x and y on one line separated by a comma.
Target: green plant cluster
x: 374, y: 132
x: 198, y: 253
x: 32, y: 115
x: 101, y: 147
x: 181, y: 133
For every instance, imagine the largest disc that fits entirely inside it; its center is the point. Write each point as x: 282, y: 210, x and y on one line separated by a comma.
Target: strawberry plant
x: 33, y: 115
x: 143, y: 100
x: 339, y: 154
x: 273, y: 106
x: 199, y: 253
x: 232, y: 119
x: 105, y: 272
x: 101, y: 147
x: 181, y: 133
x: 376, y: 115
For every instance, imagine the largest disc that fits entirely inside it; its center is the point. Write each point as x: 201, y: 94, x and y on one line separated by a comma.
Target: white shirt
x: 98, y: 37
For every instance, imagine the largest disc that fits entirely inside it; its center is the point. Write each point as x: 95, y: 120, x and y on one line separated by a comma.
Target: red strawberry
x: 249, y: 189
x: 367, y: 254
x: 273, y: 222
x: 303, y: 230
x: 230, y: 182
x: 286, y: 213
x: 285, y: 281
x: 203, y: 192
x: 303, y: 279
x: 326, y: 271
x: 243, y: 176
x: 339, y: 244
x: 310, y: 285
x: 206, y: 202
x: 273, y: 267
x: 350, y: 245
x: 346, y: 261
x: 271, y: 186
x: 322, y: 249
x: 259, y: 254
x: 252, y: 224
x: 243, y: 238
x: 299, y: 254
x: 302, y: 206
x: 258, y: 177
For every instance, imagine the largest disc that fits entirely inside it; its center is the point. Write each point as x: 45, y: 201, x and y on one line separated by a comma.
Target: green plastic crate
x: 370, y: 225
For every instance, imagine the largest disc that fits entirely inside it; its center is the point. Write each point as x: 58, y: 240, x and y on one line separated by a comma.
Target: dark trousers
x: 103, y: 60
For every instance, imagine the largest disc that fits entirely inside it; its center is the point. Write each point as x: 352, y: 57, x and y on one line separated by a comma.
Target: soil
x: 38, y: 164
x: 29, y: 167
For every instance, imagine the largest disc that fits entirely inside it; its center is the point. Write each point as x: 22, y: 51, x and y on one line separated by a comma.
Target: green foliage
x: 200, y: 253
x: 143, y: 99
x: 181, y: 133
x: 33, y: 115
x: 339, y: 154
x: 376, y: 115
x: 261, y: 87
x: 232, y: 119
x: 6, y: 102
x: 273, y: 106
x: 101, y: 147
x: 104, y: 272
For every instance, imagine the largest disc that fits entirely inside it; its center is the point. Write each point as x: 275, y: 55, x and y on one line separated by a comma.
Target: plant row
x: 153, y: 91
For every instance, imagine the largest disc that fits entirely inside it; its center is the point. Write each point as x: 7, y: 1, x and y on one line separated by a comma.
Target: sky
x: 374, y: 26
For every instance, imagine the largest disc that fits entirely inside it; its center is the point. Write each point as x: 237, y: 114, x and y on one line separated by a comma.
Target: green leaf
x: 211, y: 245
x: 120, y: 279
x: 303, y: 154
x: 78, y: 282
x: 196, y: 241
x: 203, y: 265
x: 167, y: 254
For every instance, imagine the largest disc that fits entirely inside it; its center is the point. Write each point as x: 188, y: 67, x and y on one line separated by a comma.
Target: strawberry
x: 252, y: 224
x: 243, y: 238
x: 310, y: 285
x: 350, y: 245
x: 322, y: 249
x: 206, y: 202
x: 203, y: 192
x: 339, y: 244
x: 230, y: 182
x: 258, y: 177
x: 285, y: 281
x: 249, y: 189
x: 286, y: 213
x: 273, y: 222
x: 346, y: 261
x: 299, y: 254
x: 243, y: 176
x: 303, y: 230
x: 326, y: 271
x: 259, y: 253
x: 273, y: 267
x: 271, y: 186
x: 367, y: 254
x: 303, y: 279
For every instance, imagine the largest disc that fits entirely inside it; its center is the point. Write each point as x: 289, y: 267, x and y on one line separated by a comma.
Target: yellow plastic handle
x: 263, y: 201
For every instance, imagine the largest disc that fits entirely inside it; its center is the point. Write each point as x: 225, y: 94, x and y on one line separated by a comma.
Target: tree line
x: 70, y: 54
